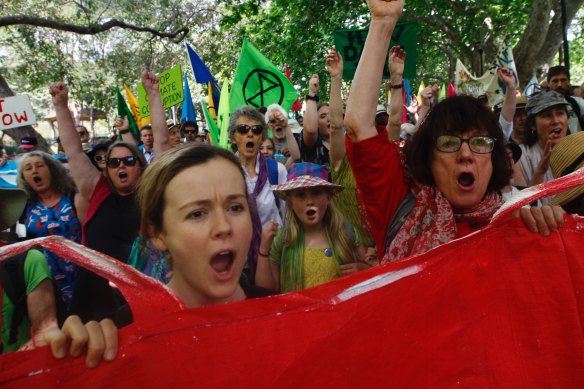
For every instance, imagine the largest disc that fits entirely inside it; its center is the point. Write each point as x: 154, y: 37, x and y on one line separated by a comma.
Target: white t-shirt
x: 266, y: 203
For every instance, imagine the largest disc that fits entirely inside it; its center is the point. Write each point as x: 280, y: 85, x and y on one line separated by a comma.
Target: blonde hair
x: 336, y: 228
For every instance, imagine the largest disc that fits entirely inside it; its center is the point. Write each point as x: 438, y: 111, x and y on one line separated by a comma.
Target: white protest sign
x: 16, y: 111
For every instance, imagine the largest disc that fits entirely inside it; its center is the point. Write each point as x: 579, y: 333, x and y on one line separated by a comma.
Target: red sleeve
x: 380, y: 178
x: 100, y: 193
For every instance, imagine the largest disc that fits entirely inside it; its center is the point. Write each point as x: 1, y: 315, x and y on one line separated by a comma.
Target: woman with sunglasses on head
x: 449, y: 180
x: 51, y: 210
x: 247, y: 131
x: 113, y: 218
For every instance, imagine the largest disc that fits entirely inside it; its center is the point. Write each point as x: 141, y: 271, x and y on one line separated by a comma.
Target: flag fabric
x: 297, y: 106
x: 212, y: 101
x: 188, y: 109
x: 224, y: 116
x: 442, y: 92
x: 259, y: 83
x: 124, y: 111
x: 419, y: 95
x: 200, y: 70
x: 408, y: 89
x: 204, y: 76
x: 350, y: 44
x: 135, y: 108
x: 451, y: 91
x: 468, y: 313
x: 532, y: 88
x: 488, y: 84
x: 211, y: 125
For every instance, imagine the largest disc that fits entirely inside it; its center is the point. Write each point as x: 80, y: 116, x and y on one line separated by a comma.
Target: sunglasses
x: 115, y: 162
x: 99, y: 158
x: 243, y: 129
x: 477, y: 144
x: 191, y: 131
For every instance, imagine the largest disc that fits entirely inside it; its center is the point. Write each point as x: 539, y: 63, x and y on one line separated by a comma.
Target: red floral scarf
x: 432, y: 222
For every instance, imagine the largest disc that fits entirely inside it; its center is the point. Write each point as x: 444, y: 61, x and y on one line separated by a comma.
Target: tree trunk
x: 542, y: 37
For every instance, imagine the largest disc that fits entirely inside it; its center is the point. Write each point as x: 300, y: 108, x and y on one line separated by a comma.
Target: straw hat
x: 12, y: 202
x: 306, y: 175
x: 567, y: 157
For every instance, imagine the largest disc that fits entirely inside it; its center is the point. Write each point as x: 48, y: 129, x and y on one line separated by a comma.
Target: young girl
x: 316, y: 244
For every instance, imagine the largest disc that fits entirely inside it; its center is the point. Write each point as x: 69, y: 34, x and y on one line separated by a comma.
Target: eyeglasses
x: 243, y: 129
x: 115, y: 162
x: 99, y: 158
x: 477, y: 144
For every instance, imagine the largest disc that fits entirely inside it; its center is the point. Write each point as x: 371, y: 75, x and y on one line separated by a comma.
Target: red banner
x: 500, y: 308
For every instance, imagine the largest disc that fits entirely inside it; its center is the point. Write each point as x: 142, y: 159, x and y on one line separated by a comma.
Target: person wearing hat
x: 567, y: 157
x: 39, y: 312
x: 558, y: 79
x: 316, y: 244
x: 546, y: 125
x: 28, y: 143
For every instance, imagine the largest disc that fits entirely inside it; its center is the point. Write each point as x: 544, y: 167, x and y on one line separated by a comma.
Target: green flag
x: 124, y: 111
x: 350, y: 43
x: 259, y: 83
x: 224, y: 115
x: 442, y: 93
x: 213, y: 129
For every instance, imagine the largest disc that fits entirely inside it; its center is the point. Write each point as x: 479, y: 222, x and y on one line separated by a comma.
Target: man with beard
x: 558, y: 79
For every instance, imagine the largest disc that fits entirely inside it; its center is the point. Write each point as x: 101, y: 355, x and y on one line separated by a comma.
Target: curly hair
x: 248, y: 112
x: 61, y: 181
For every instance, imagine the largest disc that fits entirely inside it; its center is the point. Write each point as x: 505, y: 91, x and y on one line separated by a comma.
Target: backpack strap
x: 403, y: 210
x: 12, y: 278
x: 577, y: 111
x: 272, y: 165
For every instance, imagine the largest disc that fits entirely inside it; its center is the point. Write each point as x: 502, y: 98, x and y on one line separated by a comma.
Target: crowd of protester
x: 288, y: 209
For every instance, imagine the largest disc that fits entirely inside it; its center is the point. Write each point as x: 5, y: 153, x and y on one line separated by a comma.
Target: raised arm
x: 157, y: 113
x: 84, y: 173
x: 360, y: 115
x: 122, y: 124
x: 397, y: 59
x: 310, y: 132
x: 334, y: 65
x: 426, y: 106
x: 510, y: 99
x: 267, y: 274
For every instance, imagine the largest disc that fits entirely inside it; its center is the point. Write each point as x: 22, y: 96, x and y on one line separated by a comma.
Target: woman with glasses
x: 247, y: 131
x: 112, y: 219
x: 51, y: 210
x: 447, y: 182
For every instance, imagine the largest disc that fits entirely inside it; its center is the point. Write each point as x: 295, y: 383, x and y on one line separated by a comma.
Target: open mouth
x: 249, y: 145
x: 123, y: 176
x: 222, y: 264
x: 466, y: 180
x: 556, y: 131
x: 37, y: 179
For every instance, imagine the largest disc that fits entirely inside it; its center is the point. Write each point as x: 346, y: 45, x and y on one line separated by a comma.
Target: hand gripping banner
x: 502, y: 307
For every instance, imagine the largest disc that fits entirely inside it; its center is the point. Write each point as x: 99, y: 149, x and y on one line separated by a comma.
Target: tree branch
x: 176, y: 36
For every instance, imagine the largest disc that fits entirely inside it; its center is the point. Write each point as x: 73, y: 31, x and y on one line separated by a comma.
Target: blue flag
x: 202, y: 74
x: 188, y: 109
